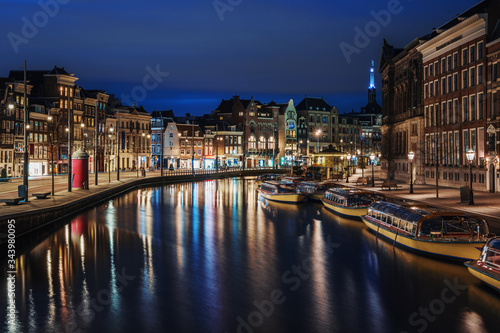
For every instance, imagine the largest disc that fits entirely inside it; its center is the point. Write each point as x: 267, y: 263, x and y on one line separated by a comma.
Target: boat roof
x: 494, y: 243
x: 415, y: 212
x: 346, y: 191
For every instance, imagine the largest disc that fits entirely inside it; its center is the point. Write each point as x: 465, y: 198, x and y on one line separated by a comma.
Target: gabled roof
x: 164, y: 114
x: 313, y: 103
x: 189, y: 128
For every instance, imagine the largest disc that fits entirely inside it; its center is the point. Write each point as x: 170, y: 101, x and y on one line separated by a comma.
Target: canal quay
x: 208, y: 255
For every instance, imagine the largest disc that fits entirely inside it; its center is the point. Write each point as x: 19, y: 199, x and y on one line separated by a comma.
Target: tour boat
x: 292, y: 180
x: 315, y: 190
x: 428, y: 229
x: 279, y: 192
x: 350, y: 203
x: 268, y: 176
x: 487, y: 267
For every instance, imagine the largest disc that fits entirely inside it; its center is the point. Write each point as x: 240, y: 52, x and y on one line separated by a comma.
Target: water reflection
x: 204, y: 257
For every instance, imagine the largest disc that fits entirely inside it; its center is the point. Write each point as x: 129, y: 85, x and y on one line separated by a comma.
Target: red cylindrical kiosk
x: 80, y: 169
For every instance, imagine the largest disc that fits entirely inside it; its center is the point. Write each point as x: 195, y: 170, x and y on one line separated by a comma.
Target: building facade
x: 402, y: 111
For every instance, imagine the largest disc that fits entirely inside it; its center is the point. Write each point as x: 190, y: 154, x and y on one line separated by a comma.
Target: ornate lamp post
x: 318, y: 133
x: 348, y: 166
x: 470, y: 157
x: 342, y: 164
x: 411, y: 156
x: 372, y: 158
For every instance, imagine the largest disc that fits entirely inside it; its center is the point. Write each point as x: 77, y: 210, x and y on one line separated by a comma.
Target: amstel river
x: 210, y: 257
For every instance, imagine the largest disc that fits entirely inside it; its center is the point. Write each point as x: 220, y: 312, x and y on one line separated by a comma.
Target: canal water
x: 211, y: 257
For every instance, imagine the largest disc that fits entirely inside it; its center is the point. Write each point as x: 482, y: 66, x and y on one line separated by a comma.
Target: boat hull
x: 349, y: 212
x: 460, y: 250
x: 285, y: 197
x: 490, y: 278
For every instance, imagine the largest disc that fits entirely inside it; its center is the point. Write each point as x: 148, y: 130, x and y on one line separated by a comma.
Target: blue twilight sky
x: 188, y: 55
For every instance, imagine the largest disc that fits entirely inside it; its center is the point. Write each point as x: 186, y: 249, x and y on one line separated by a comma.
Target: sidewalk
x: 485, y: 203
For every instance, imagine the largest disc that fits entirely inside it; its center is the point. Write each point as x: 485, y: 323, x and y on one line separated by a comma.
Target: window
x: 472, y: 76
x: 465, y: 111
x: 436, y: 85
x: 450, y: 113
x: 444, y: 114
x: 427, y: 117
x: 473, y: 53
x: 464, y: 57
x: 493, y: 105
x: 431, y: 89
x: 480, y: 106
x: 426, y: 72
x: 443, y: 65
x: 432, y: 115
x: 449, y: 84
x: 436, y: 68
x: 456, y: 110
x: 480, y: 74
x: 455, y: 60
x: 480, y: 50
x: 494, y: 74
x: 443, y: 85
x: 473, y: 107
x: 426, y: 91
x: 449, y: 63
x: 464, y: 79
x: 431, y: 69
x: 455, y: 82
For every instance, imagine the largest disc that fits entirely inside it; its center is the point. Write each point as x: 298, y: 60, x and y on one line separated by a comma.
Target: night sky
x: 271, y: 50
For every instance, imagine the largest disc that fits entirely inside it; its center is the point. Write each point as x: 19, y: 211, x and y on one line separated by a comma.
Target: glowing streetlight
x: 411, y: 156
x: 372, y: 158
x: 470, y: 157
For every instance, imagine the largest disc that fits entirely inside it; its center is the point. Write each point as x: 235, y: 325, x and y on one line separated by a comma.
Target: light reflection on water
x: 199, y: 257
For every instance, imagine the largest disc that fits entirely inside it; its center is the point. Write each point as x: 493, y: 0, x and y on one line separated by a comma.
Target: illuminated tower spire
x: 372, y: 77
x: 372, y: 93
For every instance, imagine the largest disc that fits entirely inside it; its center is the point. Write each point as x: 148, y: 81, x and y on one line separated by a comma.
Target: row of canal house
x: 440, y: 101
x: 99, y: 124
x: 239, y: 132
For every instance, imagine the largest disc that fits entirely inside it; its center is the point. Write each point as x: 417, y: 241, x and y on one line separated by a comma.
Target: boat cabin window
x: 491, y: 253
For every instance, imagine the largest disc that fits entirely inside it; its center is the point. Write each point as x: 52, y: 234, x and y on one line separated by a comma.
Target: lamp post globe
x: 372, y: 158
x: 470, y: 157
x: 348, y: 167
x: 411, y: 156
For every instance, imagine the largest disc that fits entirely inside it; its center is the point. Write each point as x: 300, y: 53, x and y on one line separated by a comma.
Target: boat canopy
x: 430, y: 220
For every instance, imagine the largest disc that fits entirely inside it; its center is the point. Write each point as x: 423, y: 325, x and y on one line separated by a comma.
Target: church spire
x: 372, y: 92
x: 372, y: 77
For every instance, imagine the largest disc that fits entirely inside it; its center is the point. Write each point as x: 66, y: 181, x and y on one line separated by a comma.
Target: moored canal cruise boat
x: 429, y: 230
x: 348, y: 202
x: 292, y: 180
x: 268, y: 176
x: 315, y: 190
x: 487, y: 267
x: 279, y: 192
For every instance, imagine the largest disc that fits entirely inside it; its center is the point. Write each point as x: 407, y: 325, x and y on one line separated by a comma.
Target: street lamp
x: 348, y: 166
x: 470, y: 157
x: 318, y: 133
x: 51, y: 138
x: 372, y: 158
x: 217, y: 139
x: 411, y: 156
